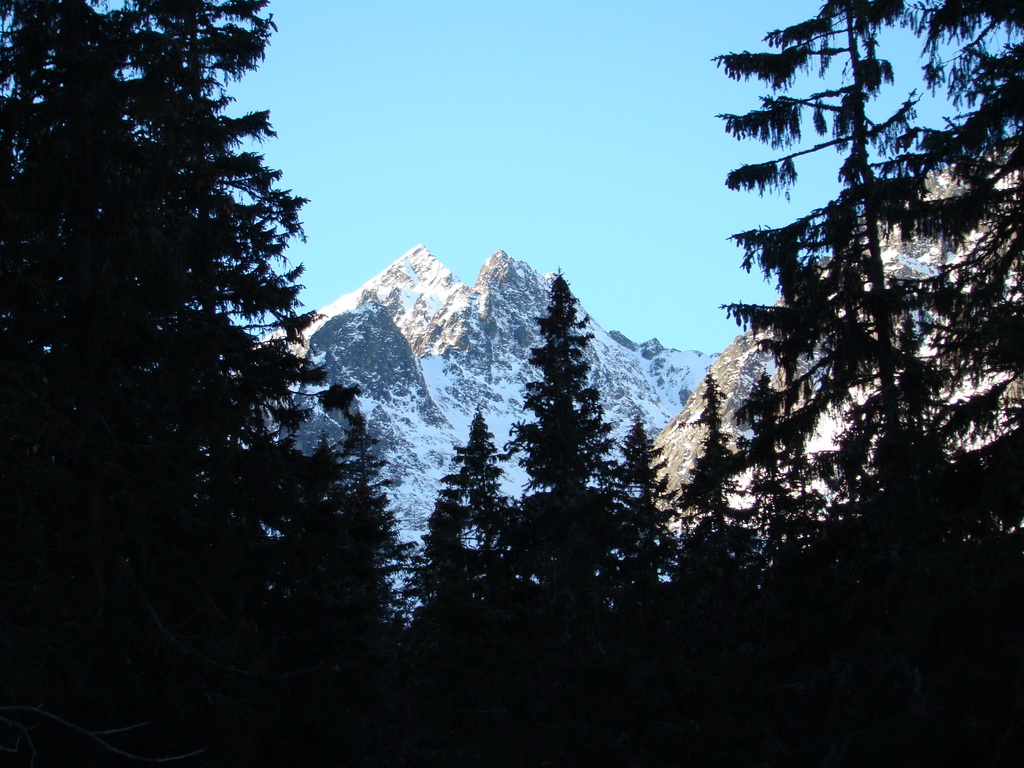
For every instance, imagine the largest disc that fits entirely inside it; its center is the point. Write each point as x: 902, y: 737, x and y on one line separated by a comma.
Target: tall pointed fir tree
x: 462, y: 655
x: 464, y: 555
x: 141, y: 271
x: 334, y: 607
x: 844, y: 332
x: 567, y: 531
x: 647, y: 547
x: 373, y: 553
x: 338, y: 554
x: 716, y: 530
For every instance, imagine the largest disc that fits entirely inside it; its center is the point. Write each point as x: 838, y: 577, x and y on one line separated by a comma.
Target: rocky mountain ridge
x: 428, y: 350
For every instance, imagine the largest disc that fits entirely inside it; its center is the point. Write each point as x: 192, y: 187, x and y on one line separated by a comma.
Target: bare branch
x: 8, y: 717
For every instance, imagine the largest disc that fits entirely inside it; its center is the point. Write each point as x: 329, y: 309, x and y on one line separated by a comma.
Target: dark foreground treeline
x: 178, y: 582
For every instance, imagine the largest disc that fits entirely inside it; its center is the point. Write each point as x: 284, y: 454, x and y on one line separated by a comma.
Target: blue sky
x: 574, y: 134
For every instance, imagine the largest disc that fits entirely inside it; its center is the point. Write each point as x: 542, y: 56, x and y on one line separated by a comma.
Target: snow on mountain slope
x: 735, y: 371
x: 428, y: 350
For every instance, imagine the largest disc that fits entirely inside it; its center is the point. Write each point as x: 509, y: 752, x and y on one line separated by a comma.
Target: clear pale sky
x: 573, y: 134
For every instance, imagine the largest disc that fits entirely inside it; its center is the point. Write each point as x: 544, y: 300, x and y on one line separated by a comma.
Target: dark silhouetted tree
x: 647, y: 546
x: 464, y: 550
x: 716, y: 530
x: 334, y: 605
x: 920, y: 381
x: 839, y: 332
x: 976, y: 54
x: 373, y: 553
x: 783, y: 499
x: 146, y: 376
x: 567, y: 527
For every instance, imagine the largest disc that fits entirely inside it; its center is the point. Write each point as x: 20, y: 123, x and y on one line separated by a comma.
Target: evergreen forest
x: 180, y: 584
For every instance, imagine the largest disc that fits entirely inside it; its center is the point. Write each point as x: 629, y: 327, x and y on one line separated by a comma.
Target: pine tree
x: 339, y: 555
x: 145, y: 402
x: 976, y: 55
x: 647, y: 547
x: 464, y: 549
x: 839, y: 332
x: 567, y: 527
x: 333, y: 607
x: 459, y: 637
x: 717, y: 533
x: 923, y: 486
x: 373, y: 553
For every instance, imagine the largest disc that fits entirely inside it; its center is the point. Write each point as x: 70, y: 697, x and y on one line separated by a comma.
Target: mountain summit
x: 428, y: 350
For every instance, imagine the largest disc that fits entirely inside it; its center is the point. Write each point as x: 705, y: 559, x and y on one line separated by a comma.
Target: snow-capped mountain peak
x: 501, y: 266
x: 427, y: 351
x: 416, y: 285
x: 419, y: 272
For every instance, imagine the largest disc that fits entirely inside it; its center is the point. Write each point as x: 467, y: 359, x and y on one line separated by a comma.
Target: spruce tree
x: 935, y: 475
x: 977, y: 57
x: 334, y: 606
x: 647, y: 546
x: 338, y: 554
x: 459, y: 638
x: 716, y: 530
x: 464, y: 549
x: 838, y: 333
x: 145, y: 399
x: 373, y: 553
x: 567, y: 530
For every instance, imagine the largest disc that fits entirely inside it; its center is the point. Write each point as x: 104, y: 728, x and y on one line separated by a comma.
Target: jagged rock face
x: 736, y: 371
x: 427, y: 351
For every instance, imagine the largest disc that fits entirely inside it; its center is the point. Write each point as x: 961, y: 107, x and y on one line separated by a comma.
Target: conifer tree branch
x: 775, y: 174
